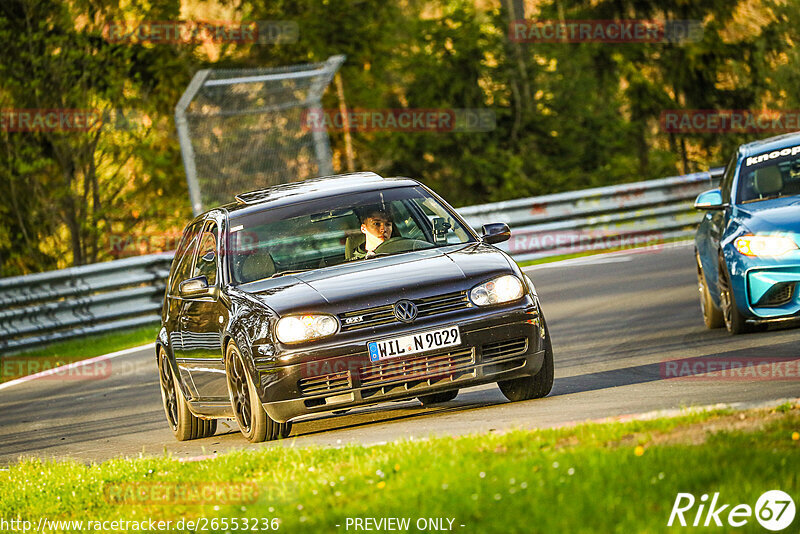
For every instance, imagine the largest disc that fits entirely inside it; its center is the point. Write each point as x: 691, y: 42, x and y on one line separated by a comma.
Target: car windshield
x: 769, y: 179
x: 326, y: 232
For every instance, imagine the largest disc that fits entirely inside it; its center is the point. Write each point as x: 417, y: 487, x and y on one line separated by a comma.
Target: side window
x: 727, y: 179
x: 183, y: 257
x: 206, y: 264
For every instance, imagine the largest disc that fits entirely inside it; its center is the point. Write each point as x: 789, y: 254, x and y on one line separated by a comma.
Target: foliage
x: 568, y: 115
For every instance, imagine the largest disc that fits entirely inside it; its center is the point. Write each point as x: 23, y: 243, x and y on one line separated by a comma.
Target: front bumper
x: 766, y: 289
x: 774, y: 292
x: 496, y: 344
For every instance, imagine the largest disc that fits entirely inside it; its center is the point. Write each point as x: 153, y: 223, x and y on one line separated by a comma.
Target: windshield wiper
x: 276, y: 275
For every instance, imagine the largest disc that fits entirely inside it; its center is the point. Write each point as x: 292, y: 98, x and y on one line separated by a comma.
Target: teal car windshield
x: 327, y: 232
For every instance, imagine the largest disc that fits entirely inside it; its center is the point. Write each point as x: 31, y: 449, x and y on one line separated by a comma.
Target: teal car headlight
x: 299, y: 328
x: 506, y: 288
x: 764, y: 245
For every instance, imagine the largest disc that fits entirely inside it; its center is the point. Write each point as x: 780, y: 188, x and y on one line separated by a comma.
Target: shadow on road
x: 652, y: 372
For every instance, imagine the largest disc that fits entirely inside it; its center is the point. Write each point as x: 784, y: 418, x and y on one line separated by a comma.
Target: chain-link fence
x: 242, y: 129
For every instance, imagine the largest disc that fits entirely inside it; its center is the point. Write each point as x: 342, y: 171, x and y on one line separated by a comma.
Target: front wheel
x: 254, y: 422
x: 184, y: 424
x: 712, y: 316
x: 734, y: 320
x: 533, y: 387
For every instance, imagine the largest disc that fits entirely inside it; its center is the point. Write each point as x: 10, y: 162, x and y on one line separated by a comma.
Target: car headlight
x: 497, y: 291
x: 764, y: 245
x: 299, y: 328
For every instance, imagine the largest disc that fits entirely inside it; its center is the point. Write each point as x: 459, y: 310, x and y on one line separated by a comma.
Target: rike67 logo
x: 774, y: 510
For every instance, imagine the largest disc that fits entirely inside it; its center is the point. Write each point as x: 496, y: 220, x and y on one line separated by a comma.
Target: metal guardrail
x: 604, y: 218
x: 57, y: 305
x: 90, y: 299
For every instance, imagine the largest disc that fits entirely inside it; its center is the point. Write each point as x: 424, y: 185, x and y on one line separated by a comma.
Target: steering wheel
x: 400, y: 244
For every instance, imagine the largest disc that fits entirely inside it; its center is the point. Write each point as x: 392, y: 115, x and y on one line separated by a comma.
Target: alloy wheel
x: 725, y: 299
x: 168, y: 389
x: 237, y: 384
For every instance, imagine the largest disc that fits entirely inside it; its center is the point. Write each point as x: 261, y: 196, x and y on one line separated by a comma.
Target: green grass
x: 48, y: 356
x: 615, y: 477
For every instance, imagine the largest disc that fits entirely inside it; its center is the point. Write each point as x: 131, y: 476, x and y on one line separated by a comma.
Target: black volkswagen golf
x: 337, y: 292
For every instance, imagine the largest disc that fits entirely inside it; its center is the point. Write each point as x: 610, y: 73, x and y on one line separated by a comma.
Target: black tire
x: 712, y: 316
x: 184, y: 424
x: 532, y: 387
x: 254, y: 422
x: 734, y: 320
x: 438, y: 398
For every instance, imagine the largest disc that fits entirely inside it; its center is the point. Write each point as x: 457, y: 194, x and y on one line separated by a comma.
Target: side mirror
x: 495, y: 233
x: 195, y: 287
x: 709, y: 200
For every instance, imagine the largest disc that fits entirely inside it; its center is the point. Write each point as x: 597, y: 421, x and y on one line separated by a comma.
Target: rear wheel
x: 438, y: 398
x: 734, y: 320
x: 254, y: 422
x: 184, y: 424
x: 712, y: 316
x: 532, y: 387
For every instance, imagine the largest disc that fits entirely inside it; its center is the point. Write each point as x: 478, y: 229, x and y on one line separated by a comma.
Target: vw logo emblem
x: 405, y: 311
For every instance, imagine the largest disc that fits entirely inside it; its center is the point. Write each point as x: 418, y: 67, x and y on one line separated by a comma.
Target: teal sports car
x: 747, y: 247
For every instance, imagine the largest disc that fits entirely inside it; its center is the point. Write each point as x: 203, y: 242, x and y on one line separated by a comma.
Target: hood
x: 775, y: 215
x: 380, y: 281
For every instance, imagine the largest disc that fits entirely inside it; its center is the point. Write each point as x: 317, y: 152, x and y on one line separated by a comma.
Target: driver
x: 376, y: 225
x: 792, y: 186
x: 794, y: 170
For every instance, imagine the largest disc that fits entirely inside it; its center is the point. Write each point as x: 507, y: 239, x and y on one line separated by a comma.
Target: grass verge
x: 609, y: 477
x: 53, y: 355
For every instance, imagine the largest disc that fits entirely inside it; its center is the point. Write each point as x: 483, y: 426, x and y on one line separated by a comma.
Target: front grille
x: 504, y: 349
x: 405, y: 374
x: 426, y: 307
x: 329, y: 383
x: 778, y: 295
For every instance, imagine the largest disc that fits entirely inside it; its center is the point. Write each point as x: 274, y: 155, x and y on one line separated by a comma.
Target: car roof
x: 311, y: 189
x: 771, y: 143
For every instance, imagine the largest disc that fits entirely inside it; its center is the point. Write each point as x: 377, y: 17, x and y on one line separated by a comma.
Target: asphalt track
x: 614, y: 321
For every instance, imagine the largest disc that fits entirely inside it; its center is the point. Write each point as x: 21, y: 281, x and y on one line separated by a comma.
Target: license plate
x: 414, y: 343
